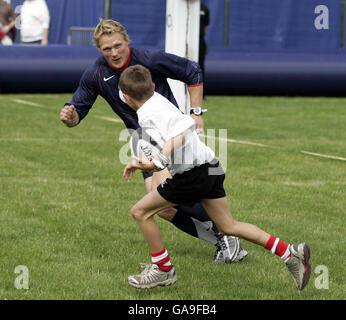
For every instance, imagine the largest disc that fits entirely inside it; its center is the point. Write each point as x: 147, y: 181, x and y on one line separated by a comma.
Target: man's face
x: 115, y: 49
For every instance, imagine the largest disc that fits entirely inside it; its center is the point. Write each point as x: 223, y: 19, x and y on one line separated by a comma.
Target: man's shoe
x: 227, y: 249
x: 218, y: 257
x: 241, y: 255
x: 152, y: 277
x: 299, y: 265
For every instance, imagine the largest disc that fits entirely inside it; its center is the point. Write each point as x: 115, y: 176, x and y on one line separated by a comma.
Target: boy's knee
x: 138, y: 213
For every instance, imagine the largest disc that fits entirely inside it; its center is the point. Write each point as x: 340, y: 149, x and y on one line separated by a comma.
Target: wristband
x: 198, y: 111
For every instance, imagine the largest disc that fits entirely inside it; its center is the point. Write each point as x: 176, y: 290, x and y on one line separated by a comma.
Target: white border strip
x: 323, y: 155
x: 109, y: 119
x: 239, y: 141
x: 29, y: 103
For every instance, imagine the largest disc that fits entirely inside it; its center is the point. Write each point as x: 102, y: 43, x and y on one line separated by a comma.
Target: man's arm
x: 82, y: 100
x: 13, y: 19
x: 44, y: 41
x: 196, y: 99
x: 182, y: 69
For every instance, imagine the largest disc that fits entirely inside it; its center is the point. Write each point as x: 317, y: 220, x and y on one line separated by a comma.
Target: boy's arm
x: 157, y: 164
x: 179, y: 133
x: 172, y: 144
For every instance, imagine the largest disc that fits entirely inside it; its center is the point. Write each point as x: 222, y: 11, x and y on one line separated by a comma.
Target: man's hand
x: 69, y: 116
x: 199, y: 123
x: 135, y: 164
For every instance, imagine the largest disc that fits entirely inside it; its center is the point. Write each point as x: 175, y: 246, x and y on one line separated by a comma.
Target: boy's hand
x: 135, y: 164
x: 129, y: 170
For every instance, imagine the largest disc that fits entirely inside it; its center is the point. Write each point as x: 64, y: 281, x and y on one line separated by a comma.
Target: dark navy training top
x: 101, y: 79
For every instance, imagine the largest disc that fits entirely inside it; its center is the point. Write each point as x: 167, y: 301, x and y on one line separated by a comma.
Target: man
x: 7, y: 22
x: 102, y: 78
x: 35, y: 21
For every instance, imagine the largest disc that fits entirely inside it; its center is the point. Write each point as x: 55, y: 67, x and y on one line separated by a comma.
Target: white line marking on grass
x: 312, y: 183
x: 323, y: 155
x: 304, y: 184
x: 240, y: 142
x: 49, y: 140
x: 29, y: 103
x: 109, y: 119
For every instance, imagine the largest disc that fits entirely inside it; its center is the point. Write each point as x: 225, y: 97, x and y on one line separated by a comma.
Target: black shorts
x: 203, y: 182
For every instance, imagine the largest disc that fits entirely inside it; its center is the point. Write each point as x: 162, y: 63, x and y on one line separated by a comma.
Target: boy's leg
x: 220, y: 213
x: 161, y: 272
x: 295, y: 256
x: 143, y: 212
x: 195, y: 221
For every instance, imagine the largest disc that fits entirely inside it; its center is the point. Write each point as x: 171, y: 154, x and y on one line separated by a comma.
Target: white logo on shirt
x: 106, y: 79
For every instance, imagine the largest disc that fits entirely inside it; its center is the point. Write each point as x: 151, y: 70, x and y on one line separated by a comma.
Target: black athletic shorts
x: 203, y: 182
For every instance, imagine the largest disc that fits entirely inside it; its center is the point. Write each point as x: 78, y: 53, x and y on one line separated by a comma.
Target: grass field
x: 65, y: 208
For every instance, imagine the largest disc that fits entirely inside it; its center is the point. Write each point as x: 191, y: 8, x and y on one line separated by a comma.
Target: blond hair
x: 108, y: 27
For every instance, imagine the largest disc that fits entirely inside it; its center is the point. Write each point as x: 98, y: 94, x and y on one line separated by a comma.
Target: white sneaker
x: 299, y: 264
x: 152, y: 277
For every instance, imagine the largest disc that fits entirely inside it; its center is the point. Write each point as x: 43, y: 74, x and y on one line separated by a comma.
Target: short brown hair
x: 136, y: 81
x: 109, y: 26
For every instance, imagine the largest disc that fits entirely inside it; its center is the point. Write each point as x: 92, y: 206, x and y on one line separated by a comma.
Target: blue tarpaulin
x: 253, y: 24
x: 286, y: 47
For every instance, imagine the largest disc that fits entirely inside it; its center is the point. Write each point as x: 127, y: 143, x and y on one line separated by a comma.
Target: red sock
x: 162, y: 259
x: 275, y: 245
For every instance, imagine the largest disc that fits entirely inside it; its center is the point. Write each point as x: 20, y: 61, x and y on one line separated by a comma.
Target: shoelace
x: 149, y: 273
x: 293, y: 266
x: 222, y: 242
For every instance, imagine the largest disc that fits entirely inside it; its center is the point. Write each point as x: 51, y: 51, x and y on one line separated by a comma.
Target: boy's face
x: 115, y: 49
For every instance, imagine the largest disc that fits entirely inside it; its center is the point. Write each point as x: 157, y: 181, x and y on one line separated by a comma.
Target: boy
x: 196, y: 176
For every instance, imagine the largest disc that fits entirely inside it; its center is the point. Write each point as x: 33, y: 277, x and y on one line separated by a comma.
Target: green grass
x: 65, y: 208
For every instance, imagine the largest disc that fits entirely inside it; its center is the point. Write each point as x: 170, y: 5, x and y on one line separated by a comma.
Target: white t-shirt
x: 163, y: 121
x: 34, y: 18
